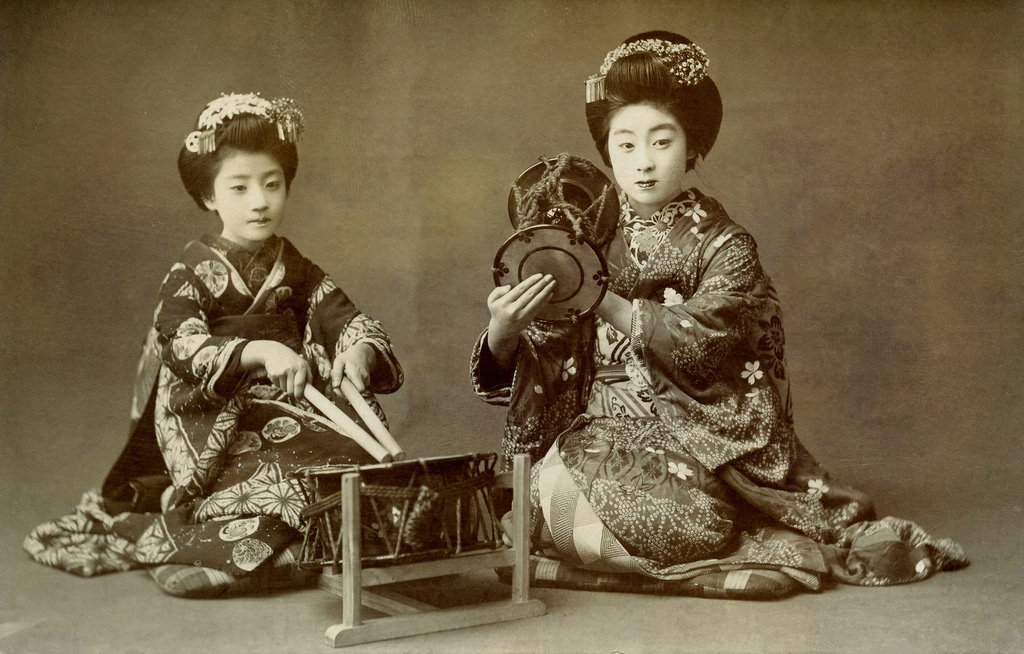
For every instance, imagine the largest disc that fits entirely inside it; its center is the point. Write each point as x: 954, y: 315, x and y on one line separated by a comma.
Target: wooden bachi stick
x: 346, y: 425
x: 366, y: 412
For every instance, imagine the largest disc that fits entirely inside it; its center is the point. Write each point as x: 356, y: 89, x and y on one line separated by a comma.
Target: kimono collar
x: 252, y: 265
x: 664, y: 218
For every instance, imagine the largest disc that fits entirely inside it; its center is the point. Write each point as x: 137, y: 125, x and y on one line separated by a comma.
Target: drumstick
x: 346, y: 425
x: 366, y: 412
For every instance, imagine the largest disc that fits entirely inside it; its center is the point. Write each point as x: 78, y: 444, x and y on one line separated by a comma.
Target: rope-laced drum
x: 564, y: 211
x: 410, y: 510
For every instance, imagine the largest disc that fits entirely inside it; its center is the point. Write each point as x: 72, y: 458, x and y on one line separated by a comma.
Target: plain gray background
x: 874, y: 149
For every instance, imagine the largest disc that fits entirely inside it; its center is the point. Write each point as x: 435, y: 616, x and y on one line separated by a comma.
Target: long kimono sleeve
x: 207, y: 362
x: 491, y: 382
x: 688, y: 339
x: 334, y: 323
x: 546, y: 388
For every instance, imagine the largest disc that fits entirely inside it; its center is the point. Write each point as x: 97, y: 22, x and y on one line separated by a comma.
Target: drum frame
x: 406, y: 616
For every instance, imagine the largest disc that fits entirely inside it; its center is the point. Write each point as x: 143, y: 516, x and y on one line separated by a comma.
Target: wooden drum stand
x: 360, y: 586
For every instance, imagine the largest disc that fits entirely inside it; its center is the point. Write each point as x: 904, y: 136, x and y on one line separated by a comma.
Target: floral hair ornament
x: 686, y: 61
x: 283, y: 112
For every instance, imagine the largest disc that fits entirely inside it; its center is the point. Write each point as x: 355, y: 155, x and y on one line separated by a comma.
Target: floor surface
x: 977, y: 609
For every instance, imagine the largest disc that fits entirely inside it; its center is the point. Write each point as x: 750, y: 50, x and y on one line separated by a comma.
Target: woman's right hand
x: 512, y: 309
x: 286, y: 369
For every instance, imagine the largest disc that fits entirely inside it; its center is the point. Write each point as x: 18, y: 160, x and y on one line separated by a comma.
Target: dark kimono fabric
x: 204, y: 479
x: 669, y: 452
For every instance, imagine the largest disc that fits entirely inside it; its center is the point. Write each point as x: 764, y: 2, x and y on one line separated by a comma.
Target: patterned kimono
x: 666, y: 459
x: 225, y: 438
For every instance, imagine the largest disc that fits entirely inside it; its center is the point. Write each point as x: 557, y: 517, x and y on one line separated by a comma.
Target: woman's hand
x: 356, y: 363
x: 512, y: 310
x: 286, y: 369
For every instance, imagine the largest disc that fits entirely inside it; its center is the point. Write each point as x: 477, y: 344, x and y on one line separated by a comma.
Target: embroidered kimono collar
x: 645, y: 235
x: 252, y: 265
x: 664, y: 218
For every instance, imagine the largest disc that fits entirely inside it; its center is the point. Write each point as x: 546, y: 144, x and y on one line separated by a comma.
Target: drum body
x: 410, y: 510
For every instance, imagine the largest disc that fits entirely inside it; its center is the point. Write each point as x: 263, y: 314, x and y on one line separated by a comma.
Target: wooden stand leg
x: 521, y: 527
x: 351, y: 551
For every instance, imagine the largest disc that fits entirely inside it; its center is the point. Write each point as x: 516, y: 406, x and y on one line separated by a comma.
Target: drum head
x: 579, y: 189
x: 579, y: 270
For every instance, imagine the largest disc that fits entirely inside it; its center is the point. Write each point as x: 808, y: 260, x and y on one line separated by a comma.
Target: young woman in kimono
x: 243, y: 324
x: 661, y: 429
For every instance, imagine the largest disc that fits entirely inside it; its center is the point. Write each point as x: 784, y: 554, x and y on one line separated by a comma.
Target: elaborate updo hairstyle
x: 233, y: 123
x: 651, y: 68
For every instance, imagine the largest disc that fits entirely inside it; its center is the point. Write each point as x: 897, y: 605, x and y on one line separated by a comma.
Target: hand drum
x: 579, y: 270
x: 563, y: 209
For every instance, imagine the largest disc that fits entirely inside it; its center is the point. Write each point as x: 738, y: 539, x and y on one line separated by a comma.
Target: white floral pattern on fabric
x: 695, y: 212
x: 753, y: 372
x: 680, y: 470
x: 673, y: 297
x: 568, y: 368
x: 214, y: 275
x: 816, y: 488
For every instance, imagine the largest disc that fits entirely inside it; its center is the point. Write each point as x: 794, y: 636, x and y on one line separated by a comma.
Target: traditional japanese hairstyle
x: 663, y: 68
x: 239, y: 121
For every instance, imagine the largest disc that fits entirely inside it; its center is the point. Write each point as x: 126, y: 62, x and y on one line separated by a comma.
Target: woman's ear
x: 211, y: 204
x: 691, y: 155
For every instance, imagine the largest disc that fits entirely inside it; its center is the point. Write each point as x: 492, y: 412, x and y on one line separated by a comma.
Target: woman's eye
x: 239, y: 189
x: 661, y: 143
x: 625, y: 146
x: 273, y: 185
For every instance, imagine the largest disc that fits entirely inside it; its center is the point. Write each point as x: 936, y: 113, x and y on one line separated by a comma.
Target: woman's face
x: 647, y: 149
x: 249, y: 196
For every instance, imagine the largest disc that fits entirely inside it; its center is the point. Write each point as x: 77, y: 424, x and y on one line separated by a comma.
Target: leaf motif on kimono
x: 187, y: 290
x: 191, y: 327
x: 325, y: 287
x: 155, y: 545
x: 214, y: 276
x: 245, y: 441
x: 316, y: 354
x: 234, y: 499
x: 282, y: 500
x: 275, y: 299
x: 202, y: 360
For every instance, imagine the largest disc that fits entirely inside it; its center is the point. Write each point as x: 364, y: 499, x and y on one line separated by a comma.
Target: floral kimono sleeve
x: 547, y: 387
x: 688, y: 339
x: 333, y: 325
x: 209, y: 363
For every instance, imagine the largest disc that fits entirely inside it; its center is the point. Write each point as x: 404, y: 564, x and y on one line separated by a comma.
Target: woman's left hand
x: 356, y: 363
